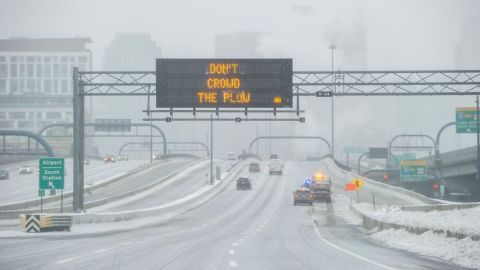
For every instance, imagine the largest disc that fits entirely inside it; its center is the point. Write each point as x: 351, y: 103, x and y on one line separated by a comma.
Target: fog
x: 369, y: 35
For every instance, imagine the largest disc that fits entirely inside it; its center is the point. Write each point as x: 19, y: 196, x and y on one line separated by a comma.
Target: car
x: 273, y: 156
x: 231, y: 156
x: 302, y: 196
x: 122, y: 158
x: 275, y: 167
x: 319, y: 195
x: 156, y: 156
x: 109, y: 158
x: 86, y: 161
x: 244, y: 183
x: 4, y: 175
x: 25, y: 170
x: 253, y: 167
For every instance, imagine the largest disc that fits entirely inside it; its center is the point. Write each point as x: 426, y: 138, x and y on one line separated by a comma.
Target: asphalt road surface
x: 248, y: 229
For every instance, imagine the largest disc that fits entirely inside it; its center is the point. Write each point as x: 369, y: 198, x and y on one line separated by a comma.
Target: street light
x: 332, y: 48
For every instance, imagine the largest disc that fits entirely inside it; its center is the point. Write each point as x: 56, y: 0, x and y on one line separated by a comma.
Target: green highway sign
x: 413, y: 170
x: 466, y: 119
x: 51, y: 173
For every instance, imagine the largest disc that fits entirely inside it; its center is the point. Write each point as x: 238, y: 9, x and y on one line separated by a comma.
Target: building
x: 36, y: 81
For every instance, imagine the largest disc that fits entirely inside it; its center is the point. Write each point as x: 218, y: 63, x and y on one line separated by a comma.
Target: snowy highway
x: 252, y: 229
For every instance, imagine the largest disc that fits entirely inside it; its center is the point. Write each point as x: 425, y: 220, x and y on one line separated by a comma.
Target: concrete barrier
x: 91, y: 204
x: 387, y: 187
x: 171, y: 209
x: 371, y: 223
x: 439, y: 207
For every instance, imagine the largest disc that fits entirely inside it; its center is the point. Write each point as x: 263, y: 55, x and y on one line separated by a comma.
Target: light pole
x: 332, y: 48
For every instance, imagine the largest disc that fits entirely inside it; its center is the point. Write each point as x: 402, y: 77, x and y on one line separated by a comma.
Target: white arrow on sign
x: 50, y: 184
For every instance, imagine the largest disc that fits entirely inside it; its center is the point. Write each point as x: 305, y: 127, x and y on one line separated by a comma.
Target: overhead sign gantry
x: 224, y: 83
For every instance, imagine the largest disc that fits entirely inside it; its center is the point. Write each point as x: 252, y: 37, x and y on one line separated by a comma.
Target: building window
x: 30, y: 86
x: 64, y: 70
x: 82, y: 59
x: 3, y: 86
x: 30, y: 59
x: 55, y: 86
x: 30, y: 70
x: 21, y: 70
x: 13, y: 59
x: 3, y: 115
x: 64, y: 86
x: 47, y: 59
x: 25, y: 124
x: 38, y: 70
x: 54, y: 115
x: 47, y: 86
x: 38, y: 85
x: 13, y: 70
x: 16, y: 115
x: 3, y: 71
x: 64, y: 59
x: 6, y: 124
x: 31, y: 115
x: 56, y: 70
x: 47, y: 70
x: 3, y: 59
x: 14, y: 85
x: 39, y: 115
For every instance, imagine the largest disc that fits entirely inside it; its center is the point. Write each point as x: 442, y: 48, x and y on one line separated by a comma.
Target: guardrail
x: 383, y: 186
x: 91, y: 204
x: 168, y: 210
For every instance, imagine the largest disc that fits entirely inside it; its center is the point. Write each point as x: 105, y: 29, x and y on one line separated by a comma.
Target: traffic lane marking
x: 231, y: 251
x: 65, y: 260
x: 233, y: 263
x: 317, y: 232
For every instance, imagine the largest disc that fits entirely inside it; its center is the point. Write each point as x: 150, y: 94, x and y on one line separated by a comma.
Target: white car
x: 231, y: 156
x: 275, y: 167
x: 25, y: 170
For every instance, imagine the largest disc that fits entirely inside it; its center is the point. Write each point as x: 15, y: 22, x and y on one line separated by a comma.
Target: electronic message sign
x: 224, y: 83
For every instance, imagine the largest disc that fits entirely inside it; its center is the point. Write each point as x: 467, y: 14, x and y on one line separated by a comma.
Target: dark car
x: 122, y: 158
x: 254, y: 167
x: 244, y: 183
x: 302, y: 196
x: 109, y: 158
x: 4, y: 175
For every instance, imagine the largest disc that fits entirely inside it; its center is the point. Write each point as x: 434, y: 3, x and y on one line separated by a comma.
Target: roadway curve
x: 256, y: 229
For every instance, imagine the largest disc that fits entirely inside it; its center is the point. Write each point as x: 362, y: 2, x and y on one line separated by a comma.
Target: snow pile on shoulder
x: 464, y: 221
x: 464, y: 252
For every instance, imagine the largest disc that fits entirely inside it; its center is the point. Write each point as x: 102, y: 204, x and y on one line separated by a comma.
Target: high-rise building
x: 238, y: 45
x: 36, y: 81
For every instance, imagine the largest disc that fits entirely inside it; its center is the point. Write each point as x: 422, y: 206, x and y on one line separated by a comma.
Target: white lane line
x: 65, y: 260
x: 235, y: 244
x: 241, y: 240
x: 127, y: 243
x: 233, y: 263
x: 231, y: 251
x: 317, y: 232
x: 101, y: 250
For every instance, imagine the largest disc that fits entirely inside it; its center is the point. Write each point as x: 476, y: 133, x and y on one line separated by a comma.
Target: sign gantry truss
x: 310, y: 83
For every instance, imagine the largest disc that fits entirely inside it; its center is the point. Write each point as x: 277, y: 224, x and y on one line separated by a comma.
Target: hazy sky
x: 407, y: 34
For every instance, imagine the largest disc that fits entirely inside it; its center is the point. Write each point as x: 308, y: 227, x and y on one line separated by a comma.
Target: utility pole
x: 332, y: 48
x: 211, y: 149
x: 478, y: 150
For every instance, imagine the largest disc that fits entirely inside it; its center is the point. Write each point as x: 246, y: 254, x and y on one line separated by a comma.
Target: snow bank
x: 463, y: 221
x: 464, y: 252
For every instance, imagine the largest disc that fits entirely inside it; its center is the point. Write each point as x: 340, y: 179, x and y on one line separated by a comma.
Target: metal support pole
x: 211, y: 149
x: 478, y: 150
x: 81, y: 157
x: 61, y: 201
x: 332, y: 47
x: 151, y: 127
x: 77, y: 143
x: 359, y: 160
